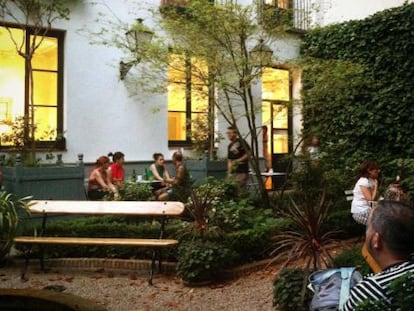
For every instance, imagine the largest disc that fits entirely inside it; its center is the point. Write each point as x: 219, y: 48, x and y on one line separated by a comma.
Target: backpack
x: 331, y: 288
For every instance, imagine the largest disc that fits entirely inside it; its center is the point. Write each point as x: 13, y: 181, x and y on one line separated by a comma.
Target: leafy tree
x: 217, y: 37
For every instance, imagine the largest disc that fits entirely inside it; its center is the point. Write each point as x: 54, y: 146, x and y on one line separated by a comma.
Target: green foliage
x: 308, y: 210
x: 290, y: 292
x: 358, y: 90
x: 133, y: 191
x: 12, y: 209
x: 255, y: 243
x: 342, y: 222
x: 202, y: 260
x: 205, y: 207
x: 352, y: 258
x: 402, y: 293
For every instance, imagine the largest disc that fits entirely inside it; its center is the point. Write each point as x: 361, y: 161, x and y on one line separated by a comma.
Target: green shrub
x: 352, y: 258
x: 342, y: 222
x: 200, y: 260
x: 290, y: 292
x: 133, y: 191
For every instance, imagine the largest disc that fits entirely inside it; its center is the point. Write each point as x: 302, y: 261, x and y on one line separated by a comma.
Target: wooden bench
x: 158, y: 210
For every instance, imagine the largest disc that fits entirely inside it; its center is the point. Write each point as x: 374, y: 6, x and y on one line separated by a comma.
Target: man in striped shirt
x: 390, y: 241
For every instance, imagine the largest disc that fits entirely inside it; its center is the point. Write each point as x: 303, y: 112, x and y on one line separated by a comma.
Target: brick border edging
x: 143, y: 266
x: 132, y: 265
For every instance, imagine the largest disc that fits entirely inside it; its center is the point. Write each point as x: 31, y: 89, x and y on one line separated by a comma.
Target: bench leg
x: 24, y: 270
x: 27, y: 253
x: 152, y: 267
x: 42, y: 258
x: 156, y: 254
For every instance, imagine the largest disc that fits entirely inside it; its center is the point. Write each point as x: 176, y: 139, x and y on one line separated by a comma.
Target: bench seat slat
x: 115, y: 208
x: 96, y: 241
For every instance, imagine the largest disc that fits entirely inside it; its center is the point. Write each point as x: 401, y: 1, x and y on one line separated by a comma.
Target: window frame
x: 60, y: 36
x: 188, y: 107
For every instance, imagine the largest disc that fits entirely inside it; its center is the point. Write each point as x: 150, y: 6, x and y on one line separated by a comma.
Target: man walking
x: 238, y: 153
x: 389, y: 240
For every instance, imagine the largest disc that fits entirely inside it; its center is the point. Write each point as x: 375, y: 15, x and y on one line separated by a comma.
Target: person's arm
x: 244, y: 157
x: 367, y: 193
x: 105, y: 184
x: 154, y: 171
x: 109, y: 175
x: 166, y: 173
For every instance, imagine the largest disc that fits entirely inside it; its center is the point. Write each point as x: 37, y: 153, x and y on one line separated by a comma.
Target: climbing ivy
x: 358, y: 89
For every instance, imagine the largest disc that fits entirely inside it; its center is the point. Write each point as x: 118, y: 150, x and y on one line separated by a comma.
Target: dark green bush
x: 343, y: 222
x: 352, y: 258
x: 352, y: 73
x: 200, y: 260
x: 290, y: 292
x: 133, y: 191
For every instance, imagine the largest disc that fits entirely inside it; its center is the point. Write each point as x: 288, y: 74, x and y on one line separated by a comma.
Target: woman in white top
x: 365, y: 191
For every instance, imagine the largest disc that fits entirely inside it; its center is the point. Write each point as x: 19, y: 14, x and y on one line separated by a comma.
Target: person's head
x: 117, y: 157
x: 158, y: 158
x: 177, y: 157
x: 369, y: 169
x: 314, y: 141
x: 231, y: 133
x: 102, y: 161
x: 390, y: 231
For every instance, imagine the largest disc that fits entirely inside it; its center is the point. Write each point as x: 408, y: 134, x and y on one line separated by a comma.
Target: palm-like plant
x: 307, y: 209
x: 11, y: 210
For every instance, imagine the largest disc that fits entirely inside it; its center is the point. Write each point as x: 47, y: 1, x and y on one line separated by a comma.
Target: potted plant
x: 12, y: 209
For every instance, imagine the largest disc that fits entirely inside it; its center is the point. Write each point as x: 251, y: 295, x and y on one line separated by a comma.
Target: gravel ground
x: 131, y: 292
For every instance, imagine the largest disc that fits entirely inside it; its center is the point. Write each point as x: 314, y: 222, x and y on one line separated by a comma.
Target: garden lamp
x: 136, y: 38
x: 261, y: 54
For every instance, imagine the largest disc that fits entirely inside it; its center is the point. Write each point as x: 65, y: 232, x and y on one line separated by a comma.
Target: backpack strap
x: 346, y: 274
x: 320, y: 276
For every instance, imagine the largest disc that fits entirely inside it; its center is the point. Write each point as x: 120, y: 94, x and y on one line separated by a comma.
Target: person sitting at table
x: 159, y: 171
x: 116, y: 171
x: 98, y: 184
x: 179, y: 186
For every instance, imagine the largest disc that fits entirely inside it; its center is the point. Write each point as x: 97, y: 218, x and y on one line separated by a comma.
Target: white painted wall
x: 100, y: 114
x: 335, y: 11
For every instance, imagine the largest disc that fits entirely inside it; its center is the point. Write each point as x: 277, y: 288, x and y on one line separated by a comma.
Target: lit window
x: 283, y: 4
x: 15, y: 101
x: 275, y: 109
x: 187, y: 98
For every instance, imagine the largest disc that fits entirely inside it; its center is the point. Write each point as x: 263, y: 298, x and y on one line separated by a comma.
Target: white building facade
x: 79, y: 93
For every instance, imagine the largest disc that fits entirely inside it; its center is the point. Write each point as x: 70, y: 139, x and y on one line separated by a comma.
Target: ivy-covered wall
x: 358, y: 89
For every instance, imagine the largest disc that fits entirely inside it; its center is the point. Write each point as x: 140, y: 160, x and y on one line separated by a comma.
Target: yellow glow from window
x: 275, y: 84
x: 12, y: 76
x: 45, y: 93
x: 12, y: 83
x: 280, y: 142
x: 178, y: 92
x: 46, y: 56
x: 176, y: 126
x: 45, y: 120
x: 280, y: 117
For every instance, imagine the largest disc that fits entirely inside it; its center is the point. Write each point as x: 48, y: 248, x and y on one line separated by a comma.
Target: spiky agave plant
x: 11, y: 211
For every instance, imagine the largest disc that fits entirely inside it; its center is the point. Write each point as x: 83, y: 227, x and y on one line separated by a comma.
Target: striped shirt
x: 376, y: 287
